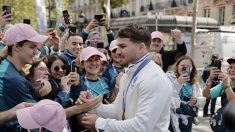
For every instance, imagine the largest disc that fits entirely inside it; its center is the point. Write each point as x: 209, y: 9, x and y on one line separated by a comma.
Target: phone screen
x: 26, y: 21
x: 7, y: 9
x: 100, y: 45
x: 72, y: 30
x: 66, y: 16
x: 98, y: 17
x: 217, y: 63
x: 73, y: 66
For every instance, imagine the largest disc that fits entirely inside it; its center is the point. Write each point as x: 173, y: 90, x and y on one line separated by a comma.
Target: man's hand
x: 214, y: 72
x: 93, y: 24
x: 88, y: 121
x: 89, y: 104
x: 177, y: 35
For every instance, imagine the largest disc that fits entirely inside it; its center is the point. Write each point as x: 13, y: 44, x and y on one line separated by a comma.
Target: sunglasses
x: 57, y: 68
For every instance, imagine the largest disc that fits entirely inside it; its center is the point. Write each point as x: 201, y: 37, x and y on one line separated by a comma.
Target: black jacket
x: 170, y: 57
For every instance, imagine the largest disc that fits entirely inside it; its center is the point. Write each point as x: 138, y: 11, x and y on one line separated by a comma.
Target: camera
x: 98, y: 17
x: 186, y: 71
x: 66, y: 16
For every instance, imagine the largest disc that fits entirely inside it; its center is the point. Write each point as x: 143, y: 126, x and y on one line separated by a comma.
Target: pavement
x: 204, y: 125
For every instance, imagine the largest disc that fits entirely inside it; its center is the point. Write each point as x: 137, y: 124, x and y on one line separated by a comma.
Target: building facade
x: 221, y: 10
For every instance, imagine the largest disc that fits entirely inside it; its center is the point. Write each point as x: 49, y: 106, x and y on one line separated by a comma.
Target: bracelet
x: 226, y: 86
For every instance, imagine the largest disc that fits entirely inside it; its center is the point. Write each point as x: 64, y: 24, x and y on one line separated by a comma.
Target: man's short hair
x: 136, y: 33
x: 73, y: 34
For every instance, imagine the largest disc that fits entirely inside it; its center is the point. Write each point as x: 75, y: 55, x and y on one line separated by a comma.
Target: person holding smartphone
x: 94, y: 23
x: 225, y: 89
x: 186, y: 92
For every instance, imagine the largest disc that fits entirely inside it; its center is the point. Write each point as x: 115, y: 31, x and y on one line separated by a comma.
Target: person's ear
x: 16, y: 47
x: 142, y: 47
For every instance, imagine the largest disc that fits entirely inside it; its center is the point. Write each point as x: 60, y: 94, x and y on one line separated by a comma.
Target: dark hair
x: 31, y: 69
x: 52, y: 58
x: 19, y: 44
x: 229, y: 116
x: 193, y: 74
x: 73, y: 34
x: 136, y: 33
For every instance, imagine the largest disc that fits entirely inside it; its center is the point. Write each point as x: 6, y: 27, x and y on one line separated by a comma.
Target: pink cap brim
x: 25, y: 119
x: 113, y: 48
x: 39, y: 38
x: 88, y: 56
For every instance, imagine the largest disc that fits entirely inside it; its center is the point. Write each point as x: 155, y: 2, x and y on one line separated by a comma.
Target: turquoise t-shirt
x: 97, y: 87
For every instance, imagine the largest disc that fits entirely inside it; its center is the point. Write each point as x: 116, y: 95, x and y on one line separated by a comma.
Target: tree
x: 113, y: 4
x: 26, y: 9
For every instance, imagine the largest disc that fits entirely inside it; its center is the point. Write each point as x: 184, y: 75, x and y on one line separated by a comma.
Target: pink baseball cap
x: 87, y: 52
x: 20, y: 32
x: 103, y: 57
x: 113, y: 45
x: 157, y: 34
x: 46, y: 113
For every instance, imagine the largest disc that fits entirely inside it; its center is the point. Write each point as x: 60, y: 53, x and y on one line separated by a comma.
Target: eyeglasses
x: 57, y: 68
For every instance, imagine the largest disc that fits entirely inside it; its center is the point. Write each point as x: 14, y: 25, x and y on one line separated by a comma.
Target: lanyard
x: 142, y: 65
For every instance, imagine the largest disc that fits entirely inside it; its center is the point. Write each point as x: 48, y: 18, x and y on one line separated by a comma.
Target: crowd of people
x: 73, y: 81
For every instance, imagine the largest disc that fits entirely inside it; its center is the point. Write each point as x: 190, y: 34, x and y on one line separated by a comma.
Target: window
x: 190, y: 1
x: 233, y: 12
x: 221, y: 15
x: 206, y: 12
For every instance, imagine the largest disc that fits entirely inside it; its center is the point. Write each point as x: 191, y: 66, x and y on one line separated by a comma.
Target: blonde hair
x: 156, y: 55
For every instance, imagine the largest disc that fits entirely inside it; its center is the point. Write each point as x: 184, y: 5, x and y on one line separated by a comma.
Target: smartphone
x: 100, y: 45
x: 26, y: 21
x: 73, y: 66
x: 98, y: 17
x: 217, y: 63
x: 66, y: 16
x: 72, y: 29
x: 186, y: 70
x: 51, y: 23
x: 6, y: 8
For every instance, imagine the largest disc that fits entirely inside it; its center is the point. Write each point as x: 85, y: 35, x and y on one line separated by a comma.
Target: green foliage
x: 26, y: 9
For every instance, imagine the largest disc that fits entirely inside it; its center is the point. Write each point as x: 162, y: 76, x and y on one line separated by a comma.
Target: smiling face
x: 127, y: 51
x: 156, y: 44
x: 92, y: 65
x: 231, y: 71
x: 58, y: 69
x: 75, y: 45
x: 26, y: 52
x: 40, y: 72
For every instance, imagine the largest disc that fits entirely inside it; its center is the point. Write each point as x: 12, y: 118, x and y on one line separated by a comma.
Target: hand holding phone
x: 186, y: 71
x: 66, y: 17
x: 7, y: 10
